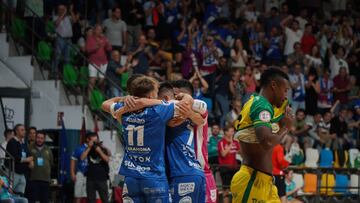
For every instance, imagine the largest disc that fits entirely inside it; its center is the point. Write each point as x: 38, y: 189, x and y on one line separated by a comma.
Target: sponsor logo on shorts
x: 213, y: 195
x: 186, y: 188
x: 257, y: 201
x: 185, y: 199
x: 128, y: 200
x: 125, y: 189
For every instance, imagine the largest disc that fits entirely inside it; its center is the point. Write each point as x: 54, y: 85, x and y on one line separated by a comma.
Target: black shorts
x: 280, y: 184
x: 226, y: 176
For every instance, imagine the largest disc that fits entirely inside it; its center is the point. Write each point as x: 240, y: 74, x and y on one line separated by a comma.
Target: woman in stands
x: 291, y: 188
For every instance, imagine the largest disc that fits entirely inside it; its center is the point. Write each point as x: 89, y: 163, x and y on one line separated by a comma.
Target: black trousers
x: 39, y: 191
x: 101, y: 187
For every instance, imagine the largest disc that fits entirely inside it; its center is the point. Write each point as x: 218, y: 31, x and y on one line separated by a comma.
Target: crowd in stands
x: 222, y: 47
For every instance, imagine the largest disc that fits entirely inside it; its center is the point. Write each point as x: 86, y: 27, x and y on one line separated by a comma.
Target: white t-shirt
x: 64, y: 29
x: 291, y: 38
x: 302, y: 22
x: 240, y: 62
x: 336, y: 64
x: 314, y: 61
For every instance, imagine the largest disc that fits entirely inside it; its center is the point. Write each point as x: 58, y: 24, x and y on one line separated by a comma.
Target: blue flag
x: 64, y: 155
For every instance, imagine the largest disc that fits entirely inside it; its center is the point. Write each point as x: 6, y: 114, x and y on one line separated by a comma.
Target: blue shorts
x: 145, y: 190
x: 188, y: 189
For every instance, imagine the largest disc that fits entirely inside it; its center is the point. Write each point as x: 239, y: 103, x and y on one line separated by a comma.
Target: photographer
x: 98, y: 169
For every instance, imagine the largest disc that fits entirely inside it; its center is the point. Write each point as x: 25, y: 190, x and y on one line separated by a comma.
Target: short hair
x: 7, y: 132
x: 130, y: 80
x: 300, y: 110
x: 165, y: 89
x: 90, y: 135
x: 41, y: 132
x: 272, y: 74
x: 275, y: 9
x: 114, y: 9
x: 142, y: 86
x: 32, y: 128
x: 184, y: 84
x: 17, y: 126
x: 227, y: 127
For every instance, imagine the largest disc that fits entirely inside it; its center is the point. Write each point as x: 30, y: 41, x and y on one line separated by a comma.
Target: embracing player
x: 144, y: 134
x: 258, y: 132
x: 200, y: 143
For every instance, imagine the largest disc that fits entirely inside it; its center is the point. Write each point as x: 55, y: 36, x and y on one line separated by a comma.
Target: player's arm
x: 106, y: 105
x: 138, y: 104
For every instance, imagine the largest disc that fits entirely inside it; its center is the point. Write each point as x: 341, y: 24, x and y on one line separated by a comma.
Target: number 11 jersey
x: 144, y: 136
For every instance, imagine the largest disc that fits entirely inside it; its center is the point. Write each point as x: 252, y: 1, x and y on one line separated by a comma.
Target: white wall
x: 8, y: 78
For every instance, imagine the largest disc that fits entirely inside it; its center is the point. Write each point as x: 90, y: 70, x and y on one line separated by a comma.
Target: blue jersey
x: 81, y: 164
x: 180, y: 151
x: 144, y: 136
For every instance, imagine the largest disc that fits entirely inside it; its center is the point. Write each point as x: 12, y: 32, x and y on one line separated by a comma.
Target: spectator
x: 354, y: 93
x: 251, y: 14
x: 236, y: 84
x: 23, y: 161
x: 314, y: 122
x: 274, y: 44
x: 308, y: 40
x: 148, y: 8
x: 113, y: 72
x: 324, y: 132
x: 238, y: 55
x: 116, y: 31
x: 297, y: 83
x: 279, y: 165
x: 341, y: 86
x: 97, y: 46
x: 213, y: 143
x: 210, y: 55
x: 251, y: 82
x: 256, y: 40
x: 273, y: 21
x: 292, y: 34
x: 337, y: 61
x: 339, y: 127
x: 134, y: 18
x: 325, y: 99
x: 143, y: 54
x: 291, y: 188
x: 313, y: 59
x: 222, y: 91
x: 8, y: 134
x: 6, y: 193
x: 312, y: 88
x: 301, y: 127
x: 40, y: 175
x: 200, y: 85
x: 302, y: 19
x: 63, y: 38
x: 234, y: 112
x: 296, y: 57
x: 31, y: 135
x: 227, y: 149
x: 97, y: 173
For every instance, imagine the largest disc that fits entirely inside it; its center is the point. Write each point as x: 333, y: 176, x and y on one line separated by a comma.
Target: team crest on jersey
x: 275, y: 127
x: 186, y: 188
x: 265, y: 116
x: 186, y: 199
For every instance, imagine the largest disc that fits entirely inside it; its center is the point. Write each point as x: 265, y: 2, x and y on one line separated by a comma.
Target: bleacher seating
x: 326, y: 158
x: 312, y: 157
x: 310, y: 183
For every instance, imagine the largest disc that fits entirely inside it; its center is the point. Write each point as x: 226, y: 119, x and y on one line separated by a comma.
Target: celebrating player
x: 258, y: 132
x: 144, y: 133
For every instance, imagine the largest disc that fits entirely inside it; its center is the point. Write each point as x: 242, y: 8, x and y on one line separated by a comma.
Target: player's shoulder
x: 260, y: 103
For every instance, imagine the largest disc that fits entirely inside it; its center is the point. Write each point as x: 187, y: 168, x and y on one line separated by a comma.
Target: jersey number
x: 140, y: 135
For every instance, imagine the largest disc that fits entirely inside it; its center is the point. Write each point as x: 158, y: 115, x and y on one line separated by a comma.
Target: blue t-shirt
x: 144, y: 136
x: 81, y: 164
x: 180, y: 153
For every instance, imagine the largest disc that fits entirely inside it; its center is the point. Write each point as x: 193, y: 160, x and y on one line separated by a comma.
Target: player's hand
x: 287, y: 120
x: 130, y: 101
x: 73, y: 178
x: 175, y: 122
x: 184, y: 109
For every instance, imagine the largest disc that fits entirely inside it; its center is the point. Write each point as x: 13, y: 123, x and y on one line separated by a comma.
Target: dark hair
x: 41, y: 132
x: 7, y: 132
x: 130, y: 80
x: 274, y: 9
x: 90, y: 134
x: 272, y: 74
x: 227, y: 127
x: 32, y: 128
x: 300, y: 110
x: 183, y: 84
x: 17, y: 126
x: 166, y: 87
x: 114, y: 9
